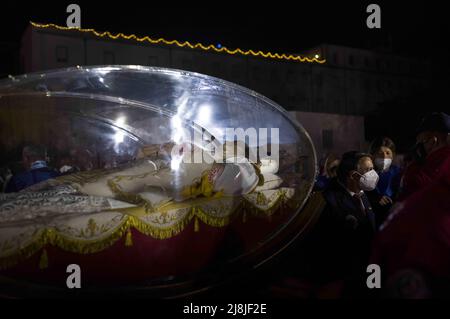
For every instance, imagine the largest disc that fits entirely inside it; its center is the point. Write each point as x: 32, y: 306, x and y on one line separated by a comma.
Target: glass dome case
x: 147, y: 178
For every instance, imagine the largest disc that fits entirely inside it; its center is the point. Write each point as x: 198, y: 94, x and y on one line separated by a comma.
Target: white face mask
x: 368, y: 181
x: 383, y: 164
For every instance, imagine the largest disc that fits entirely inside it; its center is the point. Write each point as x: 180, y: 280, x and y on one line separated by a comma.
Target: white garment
x: 238, y: 177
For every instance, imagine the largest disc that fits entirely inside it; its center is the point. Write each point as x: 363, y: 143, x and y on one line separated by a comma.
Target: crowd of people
x: 379, y: 210
x: 33, y: 168
x: 396, y: 217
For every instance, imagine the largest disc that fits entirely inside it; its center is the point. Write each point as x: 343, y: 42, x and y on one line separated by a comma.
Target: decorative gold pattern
x: 96, y: 232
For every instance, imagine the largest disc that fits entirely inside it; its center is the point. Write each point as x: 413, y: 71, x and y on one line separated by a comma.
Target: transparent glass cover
x: 145, y: 175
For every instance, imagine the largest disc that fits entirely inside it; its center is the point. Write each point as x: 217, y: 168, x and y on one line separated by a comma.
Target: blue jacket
x: 389, y: 182
x: 339, y: 245
x: 28, y: 178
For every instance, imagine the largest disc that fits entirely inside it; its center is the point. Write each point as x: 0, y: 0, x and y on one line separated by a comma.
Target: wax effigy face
x: 145, y: 167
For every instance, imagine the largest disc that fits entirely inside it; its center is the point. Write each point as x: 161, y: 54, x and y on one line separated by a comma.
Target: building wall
x: 333, y: 133
x: 333, y: 96
x: 352, y: 81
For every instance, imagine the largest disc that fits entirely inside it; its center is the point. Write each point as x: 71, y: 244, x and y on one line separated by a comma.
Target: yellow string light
x: 184, y: 44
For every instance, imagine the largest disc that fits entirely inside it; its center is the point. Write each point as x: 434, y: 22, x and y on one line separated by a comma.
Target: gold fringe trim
x: 261, y: 199
x: 129, y: 238
x: 53, y: 238
x: 196, y: 225
x: 161, y: 232
x: 43, y: 262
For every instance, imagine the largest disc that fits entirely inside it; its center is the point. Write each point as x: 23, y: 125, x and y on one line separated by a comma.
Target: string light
x: 185, y: 44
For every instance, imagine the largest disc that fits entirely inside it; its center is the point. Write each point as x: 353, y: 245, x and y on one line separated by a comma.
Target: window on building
x: 351, y: 60
x: 319, y: 104
x: 256, y: 70
x: 337, y: 106
x: 274, y: 75
x: 303, y: 103
x: 335, y: 58
x: 422, y: 68
x: 62, y: 54
x: 215, y: 66
x: 235, y: 71
x: 352, y: 106
x: 108, y: 57
x: 291, y: 76
x: 319, y: 80
x: 186, y: 64
x: 400, y: 66
x: 366, y: 62
x: 367, y: 84
x: 153, y: 60
x: 378, y: 64
x: 292, y: 99
x: 327, y: 139
x: 389, y: 84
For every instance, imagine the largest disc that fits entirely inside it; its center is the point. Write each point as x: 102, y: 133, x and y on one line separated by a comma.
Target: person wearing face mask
x: 36, y: 169
x: 418, y: 265
x: 342, y: 238
x: 382, y: 197
x: 431, y: 151
x: 329, y: 172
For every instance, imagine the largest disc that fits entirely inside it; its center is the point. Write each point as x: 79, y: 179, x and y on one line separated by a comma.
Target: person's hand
x: 385, y: 200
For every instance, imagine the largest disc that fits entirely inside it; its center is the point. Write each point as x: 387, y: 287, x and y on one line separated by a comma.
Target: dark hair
x: 380, y: 142
x: 349, y: 162
x: 435, y: 122
x: 35, y: 151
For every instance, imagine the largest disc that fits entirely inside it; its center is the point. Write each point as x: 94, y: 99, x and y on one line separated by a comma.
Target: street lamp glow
x: 317, y: 56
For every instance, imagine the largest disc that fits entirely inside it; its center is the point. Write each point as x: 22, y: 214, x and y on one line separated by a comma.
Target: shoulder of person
x: 16, y: 182
x: 21, y: 176
x: 334, y: 195
x: 395, y: 169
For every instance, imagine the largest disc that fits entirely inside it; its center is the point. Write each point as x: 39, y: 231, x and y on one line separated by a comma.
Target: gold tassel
x: 43, y: 262
x: 129, y: 238
x: 261, y: 199
x: 244, y: 217
x: 196, y: 225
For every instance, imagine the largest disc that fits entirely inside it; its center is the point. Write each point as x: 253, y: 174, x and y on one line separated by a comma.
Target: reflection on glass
x: 172, y: 163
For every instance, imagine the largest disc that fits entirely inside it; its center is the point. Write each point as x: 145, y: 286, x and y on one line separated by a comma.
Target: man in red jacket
x: 413, y: 245
x: 432, y: 150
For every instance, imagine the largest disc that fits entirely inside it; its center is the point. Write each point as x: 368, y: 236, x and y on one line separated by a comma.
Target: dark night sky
x: 416, y: 28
